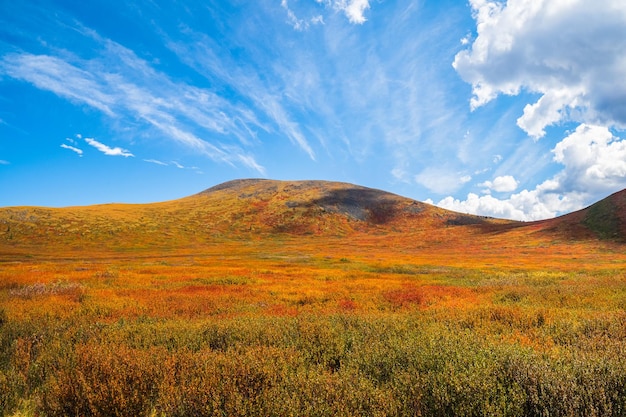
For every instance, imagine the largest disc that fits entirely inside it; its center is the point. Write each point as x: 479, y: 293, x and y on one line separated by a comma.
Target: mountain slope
x: 323, y: 206
x: 236, y: 209
x: 253, y: 209
x: 604, y: 220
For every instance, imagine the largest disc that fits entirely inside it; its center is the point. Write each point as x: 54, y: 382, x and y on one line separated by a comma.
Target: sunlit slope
x: 230, y: 210
x: 238, y: 209
x: 245, y: 210
x: 321, y: 207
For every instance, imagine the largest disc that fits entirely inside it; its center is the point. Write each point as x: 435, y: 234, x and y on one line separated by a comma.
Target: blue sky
x: 511, y: 108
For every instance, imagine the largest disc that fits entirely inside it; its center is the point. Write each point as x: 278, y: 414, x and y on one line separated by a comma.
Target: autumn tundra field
x: 269, y: 298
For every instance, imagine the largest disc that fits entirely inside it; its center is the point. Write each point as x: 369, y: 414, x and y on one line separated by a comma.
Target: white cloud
x: 540, y: 203
x: 53, y: 74
x: 400, y: 174
x: 73, y: 149
x: 317, y: 20
x: 594, y: 160
x: 174, y: 164
x: 441, y: 180
x: 484, y: 206
x: 354, y: 9
x: 567, y: 52
x: 210, y: 63
x: 594, y: 165
x: 250, y: 162
x: 502, y: 184
x: 298, y: 23
x: 155, y: 161
x: 272, y: 107
x: 108, y: 150
x: 124, y: 86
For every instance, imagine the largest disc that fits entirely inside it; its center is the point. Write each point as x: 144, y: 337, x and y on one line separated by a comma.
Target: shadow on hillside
x: 360, y: 204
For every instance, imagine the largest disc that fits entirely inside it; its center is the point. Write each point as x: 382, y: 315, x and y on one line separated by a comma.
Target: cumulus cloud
x: 567, y: 55
x: 594, y: 160
x: 73, y: 149
x: 107, y: 150
x: 594, y: 165
x: 566, y: 52
x: 541, y: 203
x: 502, y: 184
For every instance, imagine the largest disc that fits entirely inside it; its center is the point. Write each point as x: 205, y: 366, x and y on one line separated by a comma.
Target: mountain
x: 305, y: 207
x: 253, y: 209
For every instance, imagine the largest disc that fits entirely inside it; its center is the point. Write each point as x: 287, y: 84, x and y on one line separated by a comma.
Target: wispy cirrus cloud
x: 123, y: 86
x: 73, y: 149
x: 336, y: 93
x: 175, y: 164
x: 354, y: 11
x: 107, y: 150
x: 156, y: 162
x: 56, y: 75
x: 3, y: 162
x: 207, y: 58
x: 300, y: 23
x: 353, y: 95
x: 442, y: 180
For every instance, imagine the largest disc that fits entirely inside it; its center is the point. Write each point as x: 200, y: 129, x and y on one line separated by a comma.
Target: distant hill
x: 260, y: 209
x: 604, y: 220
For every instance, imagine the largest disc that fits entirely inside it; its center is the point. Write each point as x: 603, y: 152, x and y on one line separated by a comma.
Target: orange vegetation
x: 309, y: 298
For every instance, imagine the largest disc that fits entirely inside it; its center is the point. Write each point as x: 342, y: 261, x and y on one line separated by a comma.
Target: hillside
x: 231, y: 210
x: 303, y: 207
x: 305, y: 212
x: 605, y: 220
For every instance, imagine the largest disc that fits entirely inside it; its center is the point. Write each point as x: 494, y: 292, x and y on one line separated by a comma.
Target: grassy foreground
x: 299, y: 328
